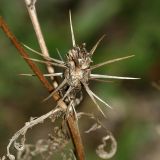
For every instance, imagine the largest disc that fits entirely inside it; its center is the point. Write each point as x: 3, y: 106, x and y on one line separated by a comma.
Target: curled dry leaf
x: 102, y: 152
x: 22, y: 132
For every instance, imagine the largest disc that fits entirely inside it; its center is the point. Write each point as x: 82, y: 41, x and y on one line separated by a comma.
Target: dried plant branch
x: 30, y: 4
x: 33, y: 15
x: 72, y: 124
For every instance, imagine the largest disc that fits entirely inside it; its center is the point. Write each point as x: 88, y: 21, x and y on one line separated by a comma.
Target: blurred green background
x: 131, y: 27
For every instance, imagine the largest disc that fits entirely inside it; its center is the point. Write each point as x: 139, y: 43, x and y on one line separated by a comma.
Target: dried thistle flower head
x: 78, y: 70
x: 78, y: 66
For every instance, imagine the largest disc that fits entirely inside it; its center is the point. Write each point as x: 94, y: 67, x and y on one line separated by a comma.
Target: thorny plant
x: 76, y: 74
x: 77, y: 71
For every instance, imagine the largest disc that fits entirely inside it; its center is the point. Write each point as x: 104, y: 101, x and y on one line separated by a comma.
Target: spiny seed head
x: 77, y: 71
x: 78, y: 66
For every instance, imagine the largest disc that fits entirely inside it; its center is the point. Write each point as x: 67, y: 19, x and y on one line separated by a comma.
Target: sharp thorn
x: 101, y: 80
x: 110, y: 61
x: 96, y: 45
x: 100, y: 100
x: 93, y: 99
x: 46, y: 75
x: 45, y: 62
x: 45, y: 57
x: 27, y: 74
x: 67, y: 93
x: 111, y: 77
x: 71, y: 27
x: 60, y: 56
x: 53, y: 74
x: 56, y: 90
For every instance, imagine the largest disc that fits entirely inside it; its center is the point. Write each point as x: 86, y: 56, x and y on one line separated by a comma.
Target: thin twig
x: 33, y: 16
x: 72, y: 124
